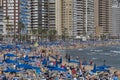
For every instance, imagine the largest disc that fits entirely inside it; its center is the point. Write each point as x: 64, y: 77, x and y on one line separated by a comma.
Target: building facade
x: 43, y: 13
x: 116, y: 18
x: 47, y: 14
x: 66, y: 17
x: 83, y: 17
x: 103, y: 17
x: 25, y: 15
x: 10, y: 16
x: 1, y: 21
x: 35, y: 13
x: 51, y: 14
x: 58, y: 16
x: 1, y: 18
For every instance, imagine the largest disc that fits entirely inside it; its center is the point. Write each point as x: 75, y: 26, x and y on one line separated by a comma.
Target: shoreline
x: 89, y: 45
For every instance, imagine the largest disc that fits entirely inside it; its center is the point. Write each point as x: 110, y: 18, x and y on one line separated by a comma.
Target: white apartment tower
x: 83, y: 17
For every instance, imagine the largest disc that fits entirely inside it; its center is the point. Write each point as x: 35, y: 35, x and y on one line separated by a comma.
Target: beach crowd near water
x: 49, y: 64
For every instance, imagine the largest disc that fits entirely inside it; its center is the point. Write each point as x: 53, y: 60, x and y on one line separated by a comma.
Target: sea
x: 110, y: 55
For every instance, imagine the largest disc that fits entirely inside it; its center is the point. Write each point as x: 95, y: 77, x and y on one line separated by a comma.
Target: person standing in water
x: 104, y: 62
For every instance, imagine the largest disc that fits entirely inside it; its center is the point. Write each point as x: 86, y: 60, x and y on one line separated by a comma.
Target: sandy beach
x: 54, y: 51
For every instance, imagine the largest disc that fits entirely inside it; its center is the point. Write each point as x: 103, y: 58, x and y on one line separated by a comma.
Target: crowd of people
x: 44, y: 59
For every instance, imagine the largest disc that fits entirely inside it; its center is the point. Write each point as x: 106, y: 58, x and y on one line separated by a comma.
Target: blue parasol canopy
x: 1, y: 62
x: 26, y: 59
x: 26, y: 66
x: 9, y: 46
x: 3, y: 47
x: 103, y: 67
x: 10, y: 61
x: 99, y: 68
x: 10, y: 55
x: 11, y: 70
x: 18, y: 46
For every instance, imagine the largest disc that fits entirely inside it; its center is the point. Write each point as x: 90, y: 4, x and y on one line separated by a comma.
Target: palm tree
x: 40, y: 33
x: 64, y: 34
x: 34, y: 32
x: 52, y: 35
x: 7, y: 25
x: 20, y: 28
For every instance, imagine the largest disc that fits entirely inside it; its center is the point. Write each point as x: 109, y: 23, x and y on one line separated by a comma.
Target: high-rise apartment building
x: 47, y: 14
x: 35, y: 12
x: 43, y: 13
x: 115, y: 3
x: 83, y: 17
x: 1, y: 18
x: 103, y: 17
x: 58, y: 16
x: 116, y: 18
x: 51, y: 14
x: 66, y: 17
x: 10, y: 16
x: 0, y: 2
x: 25, y: 15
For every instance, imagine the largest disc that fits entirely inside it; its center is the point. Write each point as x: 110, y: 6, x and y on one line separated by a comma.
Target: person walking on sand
x: 91, y: 62
x: 68, y: 58
x: 104, y: 62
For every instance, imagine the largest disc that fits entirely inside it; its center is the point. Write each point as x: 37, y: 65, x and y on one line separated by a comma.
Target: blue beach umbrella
x: 11, y: 70
x: 18, y: 46
x: 103, y: 67
x: 26, y: 66
x: 10, y: 61
x: 94, y: 68
x: 1, y: 63
x: 9, y: 46
x: 25, y: 59
x: 3, y: 47
x: 10, y: 55
x: 57, y: 69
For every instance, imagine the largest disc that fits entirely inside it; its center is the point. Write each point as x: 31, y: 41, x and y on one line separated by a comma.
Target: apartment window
x: 4, y: 1
x: 16, y: 10
x: 16, y: 1
x: 16, y: 7
x: 16, y: 4
x: 4, y: 7
x: 4, y: 4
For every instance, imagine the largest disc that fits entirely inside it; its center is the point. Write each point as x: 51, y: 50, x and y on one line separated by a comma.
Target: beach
x: 52, y: 53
